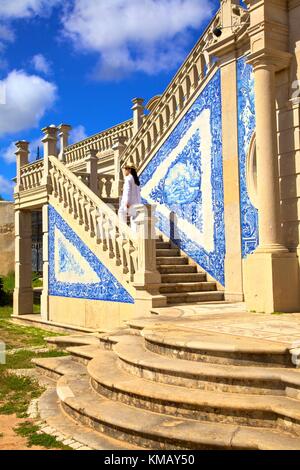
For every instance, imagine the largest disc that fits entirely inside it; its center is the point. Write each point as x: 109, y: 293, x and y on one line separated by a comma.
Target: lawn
x: 22, y: 344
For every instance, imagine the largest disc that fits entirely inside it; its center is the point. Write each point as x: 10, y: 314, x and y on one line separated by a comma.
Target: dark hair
x: 134, y: 174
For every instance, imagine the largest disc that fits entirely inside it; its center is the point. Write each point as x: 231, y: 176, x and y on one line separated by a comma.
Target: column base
x: 271, y: 282
x: 23, y: 301
x: 45, y: 306
x: 148, y: 298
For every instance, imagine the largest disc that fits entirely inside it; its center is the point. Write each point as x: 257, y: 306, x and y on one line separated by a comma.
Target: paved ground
x: 233, y: 319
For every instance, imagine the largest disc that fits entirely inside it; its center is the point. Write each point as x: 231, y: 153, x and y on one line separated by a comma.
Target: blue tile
x: 107, y: 288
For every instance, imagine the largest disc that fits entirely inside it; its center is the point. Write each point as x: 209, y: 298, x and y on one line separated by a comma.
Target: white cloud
x: 28, y: 97
x: 77, y: 134
x: 8, y: 154
x: 6, y: 186
x: 135, y: 35
x: 41, y: 64
x: 12, y: 9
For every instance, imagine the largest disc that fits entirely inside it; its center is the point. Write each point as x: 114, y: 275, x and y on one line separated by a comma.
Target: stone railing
x: 179, y: 94
x: 31, y: 175
x: 97, y: 218
x: 101, y: 142
x: 105, y: 186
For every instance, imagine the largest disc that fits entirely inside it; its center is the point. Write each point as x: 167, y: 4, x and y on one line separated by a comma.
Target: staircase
x: 181, y: 280
x: 171, y: 388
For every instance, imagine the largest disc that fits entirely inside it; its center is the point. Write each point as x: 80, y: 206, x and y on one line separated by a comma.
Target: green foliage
x: 36, y: 438
x: 16, y: 394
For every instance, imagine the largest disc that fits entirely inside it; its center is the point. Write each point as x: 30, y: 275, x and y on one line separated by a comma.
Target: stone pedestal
x: 23, y: 293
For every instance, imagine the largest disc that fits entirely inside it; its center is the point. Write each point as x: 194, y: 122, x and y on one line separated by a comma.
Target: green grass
x: 34, y: 438
x: 16, y: 394
x: 22, y: 359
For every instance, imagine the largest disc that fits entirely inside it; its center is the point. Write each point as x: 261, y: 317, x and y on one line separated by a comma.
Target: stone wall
x: 7, y: 237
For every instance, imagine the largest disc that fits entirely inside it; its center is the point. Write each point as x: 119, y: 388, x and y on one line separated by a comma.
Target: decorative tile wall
x: 185, y: 180
x: 246, y: 128
x: 74, y: 271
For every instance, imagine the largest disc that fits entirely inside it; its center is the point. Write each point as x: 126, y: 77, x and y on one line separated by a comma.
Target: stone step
x: 55, y: 367
x: 63, y: 342
x: 52, y: 414
x: 156, y: 431
x: 138, y: 361
x: 185, y: 277
x: 191, y: 297
x: 163, y: 245
x: 107, y: 341
x: 84, y: 354
x: 177, y: 269
x: 166, y: 253
x: 169, y: 260
x: 277, y: 413
x: 204, y: 346
x: 188, y: 287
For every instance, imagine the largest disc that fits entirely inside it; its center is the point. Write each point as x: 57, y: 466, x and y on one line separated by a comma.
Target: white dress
x: 132, y: 197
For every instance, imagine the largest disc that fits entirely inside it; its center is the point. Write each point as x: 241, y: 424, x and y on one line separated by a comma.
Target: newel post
x: 64, y: 130
x: 50, y: 149
x: 91, y: 160
x: 118, y: 148
x: 147, y: 273
x: 22, y: 158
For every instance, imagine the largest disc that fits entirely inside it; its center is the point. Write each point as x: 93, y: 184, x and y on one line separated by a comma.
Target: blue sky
x: 82, y: 61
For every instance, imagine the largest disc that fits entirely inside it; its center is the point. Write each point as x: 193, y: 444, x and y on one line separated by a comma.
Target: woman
x: 131, y: 195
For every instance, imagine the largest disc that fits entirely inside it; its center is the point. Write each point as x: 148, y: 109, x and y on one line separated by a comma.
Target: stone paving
x: 233, y: 319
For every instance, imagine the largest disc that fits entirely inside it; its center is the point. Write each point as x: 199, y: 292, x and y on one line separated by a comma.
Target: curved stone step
x: 156, y: 431
x: 138, y: 361
x: 51, y: 412
x: 63, y: 342
x: 55, y: 367
x: 84, y: 354
x: 205, y: 346
x: 260, y: 411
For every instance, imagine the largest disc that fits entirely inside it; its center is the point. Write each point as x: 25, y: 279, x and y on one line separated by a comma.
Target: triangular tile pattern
x: 185, y: 181
x: 74, y: 270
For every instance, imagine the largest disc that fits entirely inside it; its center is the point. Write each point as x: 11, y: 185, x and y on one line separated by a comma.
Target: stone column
x: 138, y: 113
x: 23, y: 293
x: 118, y: 148
x: 64, y: 130
x: 271, y: 273
x: 45, y: 293
x: 22, y: 158
x: 50, y: 149
x: 91, y: 160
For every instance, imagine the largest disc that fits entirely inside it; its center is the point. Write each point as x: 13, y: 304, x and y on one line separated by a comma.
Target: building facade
x: 218, y: 158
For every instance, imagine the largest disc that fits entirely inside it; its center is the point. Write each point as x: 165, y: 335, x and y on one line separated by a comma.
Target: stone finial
x: 22, y: 152
x: 64, y: 131
x: 138, y: 113
x: 50, y: 140
x: 22, y: 158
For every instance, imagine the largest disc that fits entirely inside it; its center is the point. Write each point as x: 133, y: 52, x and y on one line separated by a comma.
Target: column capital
x: 91, y: 154
x: 50, y: 140
x: 269, y: 59
x: 64, y: 128
x: 138, y: 103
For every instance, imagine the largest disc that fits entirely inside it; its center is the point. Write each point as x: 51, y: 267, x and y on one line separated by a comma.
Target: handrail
x: 98, y: 218
x: 102, y: 142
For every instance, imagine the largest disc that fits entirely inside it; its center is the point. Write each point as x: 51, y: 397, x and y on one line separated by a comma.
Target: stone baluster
x: 91, y: 161
x: 64, y: 130
x: 22, y: 157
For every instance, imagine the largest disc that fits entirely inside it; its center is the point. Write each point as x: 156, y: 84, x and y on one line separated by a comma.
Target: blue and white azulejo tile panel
x: 185, y: 181
x: 74, y: 271
x: 246, y: 129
